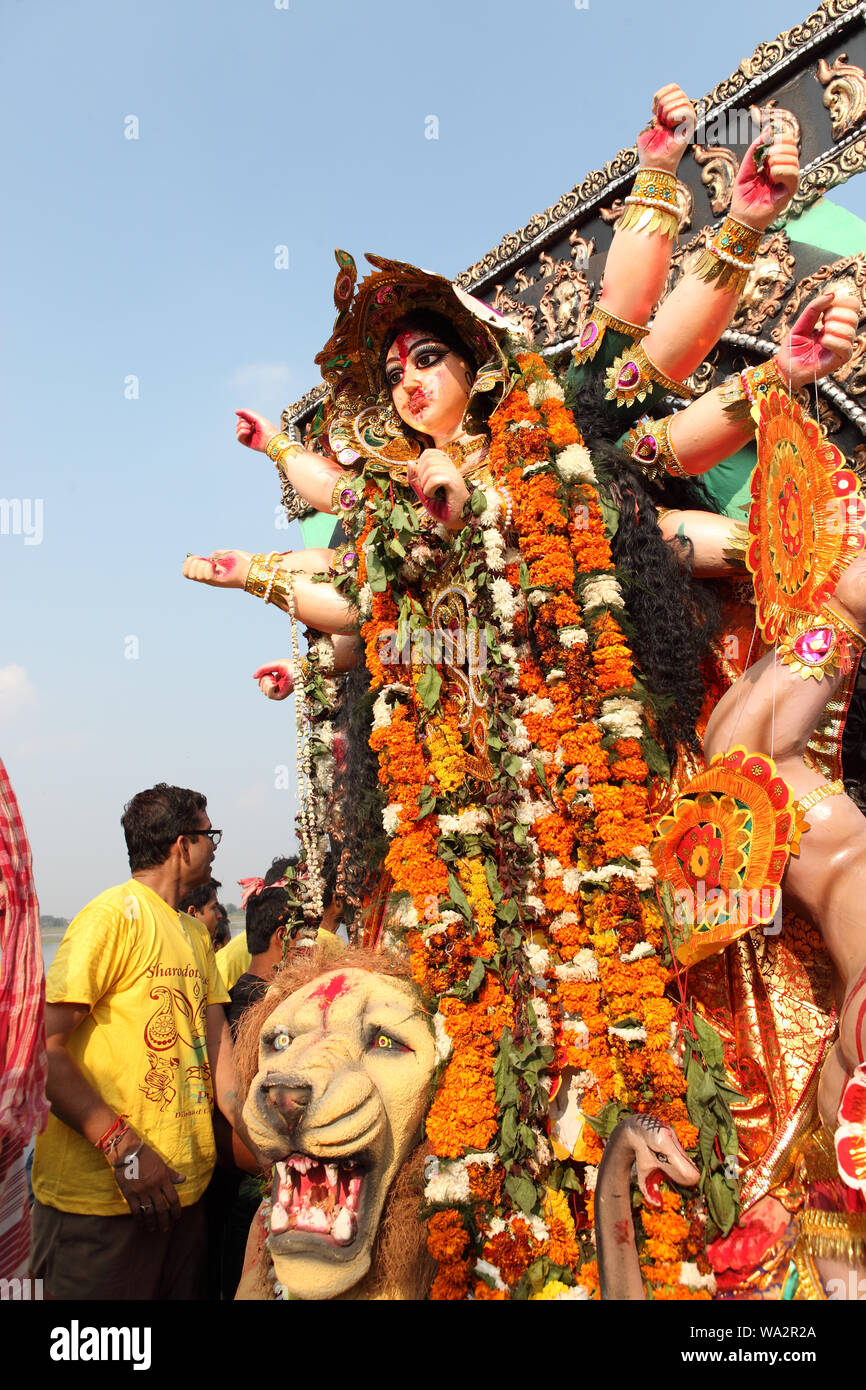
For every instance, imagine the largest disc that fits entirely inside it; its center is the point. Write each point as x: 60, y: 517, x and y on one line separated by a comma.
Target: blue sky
x: 154, y: 258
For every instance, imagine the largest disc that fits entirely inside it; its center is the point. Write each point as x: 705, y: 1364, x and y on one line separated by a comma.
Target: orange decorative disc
x: 806, y: 517
x: 723, y: 848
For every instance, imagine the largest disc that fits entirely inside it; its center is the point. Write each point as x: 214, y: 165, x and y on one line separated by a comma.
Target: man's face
x: 200, y: 854
x: 211, y: 915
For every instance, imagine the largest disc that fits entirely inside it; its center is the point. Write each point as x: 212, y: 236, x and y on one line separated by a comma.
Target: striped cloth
x: 23, y: 1106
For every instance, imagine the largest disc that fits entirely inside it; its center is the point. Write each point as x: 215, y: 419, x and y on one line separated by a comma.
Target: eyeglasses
x: 213, y: 835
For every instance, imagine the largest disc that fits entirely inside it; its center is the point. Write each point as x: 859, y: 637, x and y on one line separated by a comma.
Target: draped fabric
x: 23, y: 1105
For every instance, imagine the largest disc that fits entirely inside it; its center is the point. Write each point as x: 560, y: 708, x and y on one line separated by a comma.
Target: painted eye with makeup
x: 422, y: 358
x: 380, y: 1041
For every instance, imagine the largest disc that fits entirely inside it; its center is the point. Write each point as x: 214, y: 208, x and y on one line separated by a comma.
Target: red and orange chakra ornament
x: 723, y: 848
x: 806, y: 517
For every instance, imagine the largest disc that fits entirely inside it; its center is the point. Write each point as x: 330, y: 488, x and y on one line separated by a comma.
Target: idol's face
x: 429, y: 384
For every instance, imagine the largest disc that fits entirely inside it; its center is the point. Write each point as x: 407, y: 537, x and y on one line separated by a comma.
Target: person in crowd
x: 138, y: 1047
x: 203, y: 903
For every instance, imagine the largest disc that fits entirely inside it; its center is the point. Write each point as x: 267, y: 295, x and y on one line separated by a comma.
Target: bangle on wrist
x: 281, y: 446
x: 127, y: 1158
x: 652, y: 204
x: 730, y: 255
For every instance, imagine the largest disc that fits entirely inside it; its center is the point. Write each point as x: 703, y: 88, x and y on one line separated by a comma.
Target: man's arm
x: 145, y: 1181
x: 227, y: 1093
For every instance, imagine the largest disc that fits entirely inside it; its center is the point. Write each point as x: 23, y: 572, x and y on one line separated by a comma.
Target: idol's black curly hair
x: 674, y: 617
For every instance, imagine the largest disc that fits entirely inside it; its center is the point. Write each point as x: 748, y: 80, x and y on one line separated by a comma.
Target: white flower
x: 552, y: 867
x: 529, y: 811
x: 542, y: 1018
x: 494, y: 507
x: 505, y: 601
x: 572, y: 879
x: 590, y: 1177
x: 365, y: 602
x: 518, y: 739
x: 622, y: 716
x: 578, y: 1294
x: 642, y: 949
x: 538, y: 704
x: 573, y: 636
x: 646, y: 872
x: 324, y: 649
x: 555, y: 675
x: 602, y: 593
x: 564, y: 919
x: 545, y: 390
x: 468, y: 822
x: 538, y: 596
x: 494, y: 549
x: 324, y: 774
x: 441, y: 1038
x: 391, y: 817
x: 535, y: 904
x: 636, y: 1034
x: 325, y: 732
x: 329, y: 693
x: 575, y: 465
x: 446, y: 1182
x: 538, y: 957
x: 482, y: 1267
x: 583, y: 967
x: 691, y: 1276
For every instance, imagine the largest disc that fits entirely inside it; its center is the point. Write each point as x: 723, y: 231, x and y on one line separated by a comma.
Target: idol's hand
x: 276, y: 680
x: 767, y: 179
x: 225, y: 569
x: 254, y: 430
x: 821, y: 341
x: 439, y: 485
x: 664, y: 142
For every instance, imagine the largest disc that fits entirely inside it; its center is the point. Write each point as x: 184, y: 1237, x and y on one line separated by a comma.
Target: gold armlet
x: 805, y: 803
x: 632, y: 376
x: 652, y: 204
x: 592, y: 334
x: 649, y: 444
x: 344, y: 558
x: 347, y: 493
x: 730, y: 255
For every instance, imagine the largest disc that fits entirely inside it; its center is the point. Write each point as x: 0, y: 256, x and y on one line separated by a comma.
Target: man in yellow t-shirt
x: 137, y: 1045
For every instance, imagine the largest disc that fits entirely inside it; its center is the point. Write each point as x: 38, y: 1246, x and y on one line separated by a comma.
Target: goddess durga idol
x: 513, y: 655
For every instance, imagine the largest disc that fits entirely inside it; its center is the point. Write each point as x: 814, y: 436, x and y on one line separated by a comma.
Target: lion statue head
x: 336, y: 1063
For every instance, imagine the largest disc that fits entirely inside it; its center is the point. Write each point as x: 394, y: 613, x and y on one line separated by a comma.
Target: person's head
x: 203, y: 903
x: 270, y: 914
x: 223, y: 933
x: 429, y: 372
x: 166, y: 825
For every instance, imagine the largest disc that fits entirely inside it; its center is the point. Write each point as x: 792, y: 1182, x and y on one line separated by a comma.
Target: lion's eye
x: 281, y: 1041
x: 381, y: 1041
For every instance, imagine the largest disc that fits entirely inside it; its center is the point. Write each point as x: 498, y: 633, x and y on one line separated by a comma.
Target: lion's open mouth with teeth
x: 313, y: 1197
x: 336, y: 1106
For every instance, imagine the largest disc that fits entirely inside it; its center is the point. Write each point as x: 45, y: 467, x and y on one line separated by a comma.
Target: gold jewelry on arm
x: 347, y: 493
x: 730, y: 255
x: 741, y: 392
x: 652, y: 204
x: 259, y: 575
x: 835, y: 617
x: 805, y: 803
x: 281, y: 446
x: 593, y: 331
x: 632, y: 376
x: 649, y: 444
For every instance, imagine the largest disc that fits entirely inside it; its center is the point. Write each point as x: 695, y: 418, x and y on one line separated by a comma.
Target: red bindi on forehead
x: 329, y: 992
x: 403, y: 343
